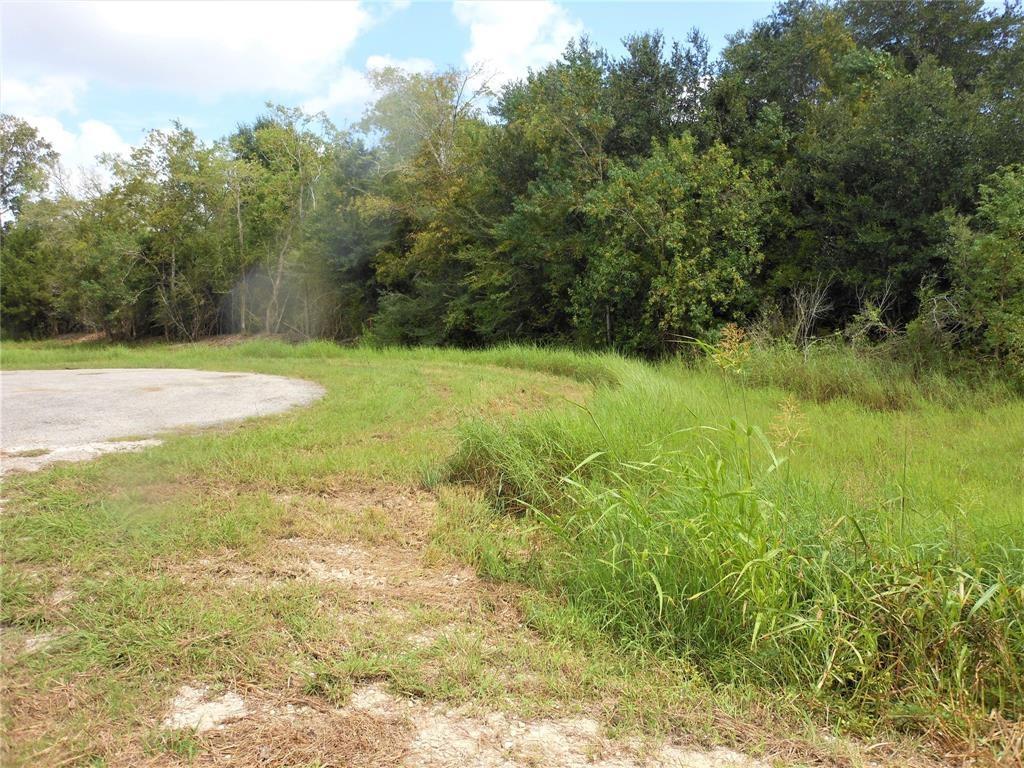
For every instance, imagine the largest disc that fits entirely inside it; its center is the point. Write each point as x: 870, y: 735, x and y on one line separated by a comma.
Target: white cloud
x: 42, y: 102
x: 420, y: 66
x: 510, y: 37
x: 80, y: 146
x: 48, y: 95
x: 351, y: 91
x: 206, y: 48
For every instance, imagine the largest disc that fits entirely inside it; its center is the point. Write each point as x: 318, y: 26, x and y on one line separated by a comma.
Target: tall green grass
x: 879, y: 378
x: 674, y: 510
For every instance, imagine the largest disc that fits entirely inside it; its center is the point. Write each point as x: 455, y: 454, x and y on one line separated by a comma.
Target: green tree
x: 988, y: 268
x: 964, y: 36
x: 676, y: 245
x: 431, y: 134
x: 353, y: 223
x: 654, y: 93
x: 26, y: 162
x: 173, y: 190
x: 558, y: 124
x: 875, y: 172
x: 27, y: 287
x: 279, y: 168
x: 788, y: 62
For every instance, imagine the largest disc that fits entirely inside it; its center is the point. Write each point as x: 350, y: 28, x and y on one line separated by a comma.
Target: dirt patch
x: 344, y: 563
x: 370, y: 540
x: 61, y: 595
x: 387, y: 571
x: 424, y: 638
x: 287, y: 734
x: 199, y: 709
x: 369, y: 514
x: 397, y: 570
x: 38, y: 641
x: 456, y: 738
x: 381, y: 729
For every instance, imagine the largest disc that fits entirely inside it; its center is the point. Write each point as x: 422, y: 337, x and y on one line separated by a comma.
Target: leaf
x: 586, y: 461
x: 988, y: 595
x: 661, y: 593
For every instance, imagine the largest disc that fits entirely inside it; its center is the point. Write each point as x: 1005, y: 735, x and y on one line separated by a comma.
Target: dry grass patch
x: 445, y: 737
x: 327, y: 739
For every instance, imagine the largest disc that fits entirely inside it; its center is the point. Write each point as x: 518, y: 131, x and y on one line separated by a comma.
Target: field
x: 761, y: 560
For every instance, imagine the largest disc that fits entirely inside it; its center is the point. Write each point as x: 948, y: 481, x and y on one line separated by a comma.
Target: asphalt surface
x: 48, y: 416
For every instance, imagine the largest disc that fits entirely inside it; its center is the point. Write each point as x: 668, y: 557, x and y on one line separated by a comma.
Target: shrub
x: 988, y: 269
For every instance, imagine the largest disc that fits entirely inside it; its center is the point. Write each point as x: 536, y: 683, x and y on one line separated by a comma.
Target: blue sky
x: 94, y: 76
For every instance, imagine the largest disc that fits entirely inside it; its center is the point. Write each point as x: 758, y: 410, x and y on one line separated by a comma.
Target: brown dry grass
x: 410, y: 620
x: 279, y: 734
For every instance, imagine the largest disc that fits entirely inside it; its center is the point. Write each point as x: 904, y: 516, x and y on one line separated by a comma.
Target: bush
x: 988, y: 269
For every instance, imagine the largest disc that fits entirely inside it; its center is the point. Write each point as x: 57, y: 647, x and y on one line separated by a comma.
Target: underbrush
x: 694, y: 515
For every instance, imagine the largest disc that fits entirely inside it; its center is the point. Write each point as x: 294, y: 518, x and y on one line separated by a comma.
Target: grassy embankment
x: 862, y: 563
x: 863, y: 544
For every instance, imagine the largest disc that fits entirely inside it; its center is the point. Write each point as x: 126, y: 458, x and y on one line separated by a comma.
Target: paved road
x: 48, y: 416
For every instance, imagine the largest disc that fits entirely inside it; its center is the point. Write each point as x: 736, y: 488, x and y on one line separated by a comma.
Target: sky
x: 95, y: 76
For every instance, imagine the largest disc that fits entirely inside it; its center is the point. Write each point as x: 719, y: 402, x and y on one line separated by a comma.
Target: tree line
x: 850, y: 168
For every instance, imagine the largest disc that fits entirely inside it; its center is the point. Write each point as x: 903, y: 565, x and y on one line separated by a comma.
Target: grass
x: 870, y: 558
x: 883, y: 378
x: 123, y: 535
x: 668, y: 527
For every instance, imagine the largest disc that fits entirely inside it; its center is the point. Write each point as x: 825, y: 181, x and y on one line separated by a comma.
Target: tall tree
x: 26, y: 162
x: 281, y: 162
x: 965, y: 36
x: 676, y: 245
x: 173, y: 183
x: 874, y: 175
x: 988, y: 268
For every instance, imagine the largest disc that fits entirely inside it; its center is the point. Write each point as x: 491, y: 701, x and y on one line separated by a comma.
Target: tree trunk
x: 243, y: 290
x: 275, y: 288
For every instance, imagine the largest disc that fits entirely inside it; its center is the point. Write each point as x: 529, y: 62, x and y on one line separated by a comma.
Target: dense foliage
x: 849, y: 167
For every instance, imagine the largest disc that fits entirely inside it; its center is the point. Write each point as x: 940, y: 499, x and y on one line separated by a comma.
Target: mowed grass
x: 386, y: 414
x: 108, y: 559
x: 691, y: 545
